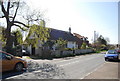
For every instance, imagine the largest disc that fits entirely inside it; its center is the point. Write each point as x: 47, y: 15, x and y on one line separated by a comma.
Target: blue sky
x: 82, y: 16
x: 104, y: 17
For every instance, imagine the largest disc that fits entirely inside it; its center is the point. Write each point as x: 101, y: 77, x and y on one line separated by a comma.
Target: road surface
x: 74, y: 67
x: 81, y: 66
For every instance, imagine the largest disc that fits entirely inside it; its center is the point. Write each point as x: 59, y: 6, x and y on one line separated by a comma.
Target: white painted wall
x: 71, y: 44
x: 29, y: 49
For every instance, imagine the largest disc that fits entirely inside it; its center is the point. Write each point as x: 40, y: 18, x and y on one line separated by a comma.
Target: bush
x: 89, y: 47
x: 56, y: 56
x: 68, y: 49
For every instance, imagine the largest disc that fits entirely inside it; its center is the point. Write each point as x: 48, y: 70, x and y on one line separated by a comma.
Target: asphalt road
x: 74, y: 67
x: 79, y: 67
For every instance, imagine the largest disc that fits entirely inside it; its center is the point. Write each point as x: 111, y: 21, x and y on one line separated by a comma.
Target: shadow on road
x: 10, y: 74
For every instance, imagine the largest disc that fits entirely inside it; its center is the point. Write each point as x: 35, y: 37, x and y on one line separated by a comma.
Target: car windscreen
x: 112, y: 52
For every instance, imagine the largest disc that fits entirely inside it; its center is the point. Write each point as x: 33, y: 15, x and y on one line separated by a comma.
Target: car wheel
x: 18, y: 67
x: 106, y: 59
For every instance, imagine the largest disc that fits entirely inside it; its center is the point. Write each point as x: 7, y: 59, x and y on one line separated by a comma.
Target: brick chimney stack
x: 69, y: 29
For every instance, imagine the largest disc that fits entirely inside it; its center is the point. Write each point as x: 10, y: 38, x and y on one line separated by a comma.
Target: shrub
x: 68, y: 49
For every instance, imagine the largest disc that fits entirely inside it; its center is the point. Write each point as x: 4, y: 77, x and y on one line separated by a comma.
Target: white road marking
x: 92, y: 71
x: 77, y: 58
x: 69, y: 63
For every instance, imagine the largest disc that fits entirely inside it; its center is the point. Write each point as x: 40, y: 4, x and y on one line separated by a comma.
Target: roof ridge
x: 59, y: 30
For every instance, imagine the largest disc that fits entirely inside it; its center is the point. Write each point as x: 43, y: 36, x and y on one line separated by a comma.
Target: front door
x: 33, y: 50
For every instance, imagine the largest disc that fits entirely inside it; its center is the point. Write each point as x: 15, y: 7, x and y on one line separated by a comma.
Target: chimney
x: 69, y: 29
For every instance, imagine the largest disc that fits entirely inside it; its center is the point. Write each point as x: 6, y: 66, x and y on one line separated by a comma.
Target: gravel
x: 42, y: 71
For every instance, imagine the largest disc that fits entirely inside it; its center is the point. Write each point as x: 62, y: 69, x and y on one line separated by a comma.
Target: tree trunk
x: 9, y: 39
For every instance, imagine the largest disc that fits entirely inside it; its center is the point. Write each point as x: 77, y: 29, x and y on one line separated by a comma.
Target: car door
x: 119, y: 54
x: 6, y: 63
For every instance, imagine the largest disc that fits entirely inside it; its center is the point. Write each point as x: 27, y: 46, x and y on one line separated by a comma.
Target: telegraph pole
x: 94, y: 36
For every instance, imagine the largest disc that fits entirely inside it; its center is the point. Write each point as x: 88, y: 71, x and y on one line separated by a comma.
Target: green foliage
x: 61, y: 43
x: 83, y: 45
x: 49, y: 43
x: 89, y: 47
x: 2, y: 30
x: 101, y: 40
x: 18, y: 37
x: 2, y: 35
x: 37, y: 33
x: 101, y: 43
x: 69, y: 49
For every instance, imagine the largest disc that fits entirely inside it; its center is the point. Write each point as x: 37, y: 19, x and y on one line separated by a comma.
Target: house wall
x: 71, y: 44
x: 29, y: 49
x: 54, y: 47
x: 38, y: 51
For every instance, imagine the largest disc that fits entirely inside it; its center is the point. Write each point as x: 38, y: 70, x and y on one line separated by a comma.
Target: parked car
x: 10, y: 62
x: 25, y: 52
x: 118, y: 50
x: 112, y: 55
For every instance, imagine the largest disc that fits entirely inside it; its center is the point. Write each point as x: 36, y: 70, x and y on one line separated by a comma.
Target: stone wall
x: 83, y: 51
x: 58, y: 53
x: 76, y: 52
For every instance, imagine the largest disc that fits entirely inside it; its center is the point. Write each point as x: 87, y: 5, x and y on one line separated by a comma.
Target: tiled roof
x: 56, y: 34
x: 77, y: 35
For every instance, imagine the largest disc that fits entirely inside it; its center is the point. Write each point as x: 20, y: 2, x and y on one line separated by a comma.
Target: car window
x: 4, y: 55
x: 112, y: 52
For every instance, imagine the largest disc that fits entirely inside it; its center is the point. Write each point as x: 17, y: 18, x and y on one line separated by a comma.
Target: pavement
x: 108, y: 70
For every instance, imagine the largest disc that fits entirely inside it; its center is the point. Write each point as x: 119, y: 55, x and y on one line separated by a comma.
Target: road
x: 74, y: 67
x: 79, y: 67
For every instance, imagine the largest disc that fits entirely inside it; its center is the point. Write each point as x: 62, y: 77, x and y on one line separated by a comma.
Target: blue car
x: 112, y: 55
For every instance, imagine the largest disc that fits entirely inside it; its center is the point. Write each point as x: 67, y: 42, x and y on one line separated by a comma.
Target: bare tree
x: 9, y: 10
x: 33, y: 16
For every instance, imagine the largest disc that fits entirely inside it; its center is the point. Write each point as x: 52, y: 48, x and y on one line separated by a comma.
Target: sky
x: 83, y: 16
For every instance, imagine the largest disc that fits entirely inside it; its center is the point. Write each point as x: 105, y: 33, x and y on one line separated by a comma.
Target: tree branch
x: 4, y: 11
x: 2, y: 16
x: 21, y: 23
x: 19, y: 27
x: 16, y: 12
x: 8, y: 6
